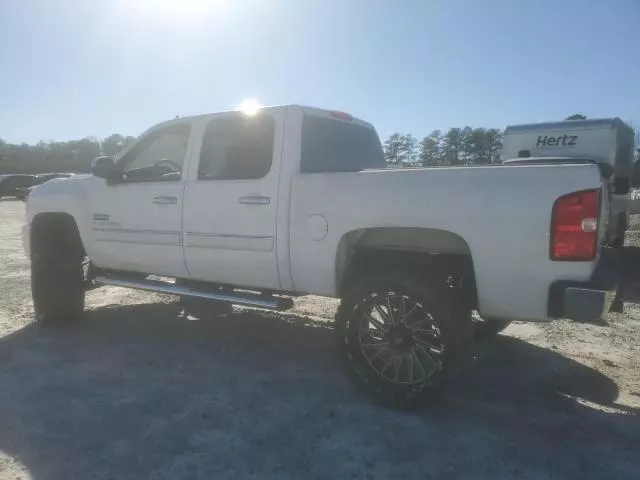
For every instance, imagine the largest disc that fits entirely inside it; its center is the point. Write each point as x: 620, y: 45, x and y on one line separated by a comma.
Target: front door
x: 230, y: 201
x: 136, y: 224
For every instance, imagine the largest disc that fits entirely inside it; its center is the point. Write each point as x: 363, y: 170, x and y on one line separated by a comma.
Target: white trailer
x: 604, y: 141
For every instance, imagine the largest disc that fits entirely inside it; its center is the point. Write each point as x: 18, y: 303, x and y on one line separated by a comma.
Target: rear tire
x: 57, y: 278
x: 401, y: 337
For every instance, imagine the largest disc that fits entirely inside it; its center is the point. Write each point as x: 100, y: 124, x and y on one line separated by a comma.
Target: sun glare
x: 177, y: 7
x: 250, y: 106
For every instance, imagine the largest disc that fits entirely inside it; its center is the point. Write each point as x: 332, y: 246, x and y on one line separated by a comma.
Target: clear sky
x: 74, y: 68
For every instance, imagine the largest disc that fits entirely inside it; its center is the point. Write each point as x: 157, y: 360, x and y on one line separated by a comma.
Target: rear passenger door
x: 229, y: 216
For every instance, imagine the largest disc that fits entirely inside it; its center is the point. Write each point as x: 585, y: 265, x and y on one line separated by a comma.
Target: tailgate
x: 606, y: 173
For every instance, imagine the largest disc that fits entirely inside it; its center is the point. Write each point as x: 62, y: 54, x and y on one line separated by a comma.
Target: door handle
x: 164, y: 200
x: 255, y: 200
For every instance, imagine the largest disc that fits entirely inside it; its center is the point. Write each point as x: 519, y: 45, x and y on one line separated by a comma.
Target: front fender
x: 60, y: 196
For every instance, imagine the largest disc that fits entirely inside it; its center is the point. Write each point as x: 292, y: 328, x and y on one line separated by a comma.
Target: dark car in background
x: 18, y: 185
x: 14, y: 185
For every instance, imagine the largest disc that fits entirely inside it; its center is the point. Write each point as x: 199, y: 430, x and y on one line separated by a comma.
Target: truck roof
x: 588, y: 123
x: 305, y: 109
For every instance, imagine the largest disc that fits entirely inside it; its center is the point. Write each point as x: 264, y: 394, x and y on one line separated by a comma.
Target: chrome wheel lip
x: 418, y: 357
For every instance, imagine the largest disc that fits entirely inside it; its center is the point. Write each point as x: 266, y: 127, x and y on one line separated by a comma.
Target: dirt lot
x: 139, y: 392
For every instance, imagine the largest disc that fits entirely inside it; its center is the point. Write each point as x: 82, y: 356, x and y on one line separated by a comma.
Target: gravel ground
x: 138, y: 391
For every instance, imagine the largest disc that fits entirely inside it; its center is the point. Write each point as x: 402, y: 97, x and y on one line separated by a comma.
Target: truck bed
x: 501, y: 213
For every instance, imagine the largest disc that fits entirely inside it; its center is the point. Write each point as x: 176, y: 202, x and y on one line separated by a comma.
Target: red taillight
x: 574, y: 226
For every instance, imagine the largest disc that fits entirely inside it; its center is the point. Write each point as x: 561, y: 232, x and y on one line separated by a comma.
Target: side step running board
x: 244, y: 299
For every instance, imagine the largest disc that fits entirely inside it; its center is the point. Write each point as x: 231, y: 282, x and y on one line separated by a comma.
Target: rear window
x: 237, y: 148
x: 336, y: 146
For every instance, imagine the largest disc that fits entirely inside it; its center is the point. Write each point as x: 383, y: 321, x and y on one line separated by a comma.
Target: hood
x: 58, y: 185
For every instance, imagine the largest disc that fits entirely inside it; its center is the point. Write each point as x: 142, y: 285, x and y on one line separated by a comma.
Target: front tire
x: 399, y: 337
x: 57, y: 284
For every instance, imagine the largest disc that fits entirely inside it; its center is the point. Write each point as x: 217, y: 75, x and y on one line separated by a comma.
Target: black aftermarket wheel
x: 398, y: 337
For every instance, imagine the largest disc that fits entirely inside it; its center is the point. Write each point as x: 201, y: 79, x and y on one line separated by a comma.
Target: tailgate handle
x: 255, y: 200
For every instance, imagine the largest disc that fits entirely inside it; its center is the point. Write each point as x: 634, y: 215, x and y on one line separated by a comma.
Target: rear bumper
x: 588, y: 301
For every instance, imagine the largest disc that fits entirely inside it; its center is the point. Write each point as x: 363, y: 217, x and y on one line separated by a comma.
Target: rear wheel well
x: 56, y: 233
x: 435, y: 252
x: 454, y: 269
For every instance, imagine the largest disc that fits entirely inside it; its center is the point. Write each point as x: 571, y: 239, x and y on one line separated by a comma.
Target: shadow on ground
x: 141, y: 392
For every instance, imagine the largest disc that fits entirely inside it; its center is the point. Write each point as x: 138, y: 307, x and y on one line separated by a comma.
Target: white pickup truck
x: 254, y: 209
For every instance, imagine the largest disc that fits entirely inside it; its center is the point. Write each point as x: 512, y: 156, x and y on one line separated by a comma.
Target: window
x: 158, y: 157
x: 237, y: 148
x: 330, y: 145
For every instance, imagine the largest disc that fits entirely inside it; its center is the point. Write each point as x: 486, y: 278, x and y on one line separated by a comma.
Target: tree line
x: 458, y: 146
x: 71, y: 156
